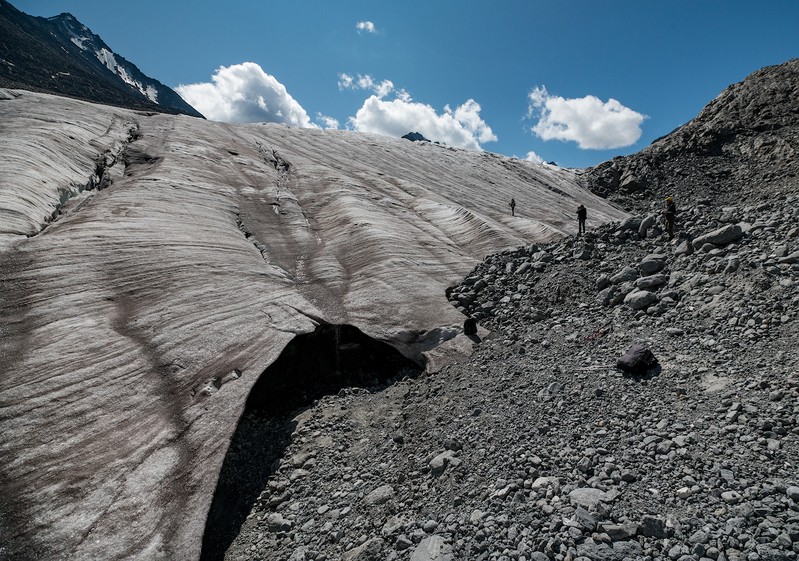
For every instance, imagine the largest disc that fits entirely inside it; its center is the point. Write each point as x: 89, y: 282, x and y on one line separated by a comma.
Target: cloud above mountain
x: 462, y: 127
x: 244, y: 93
x: 588, y: 121
x: 533, y: 157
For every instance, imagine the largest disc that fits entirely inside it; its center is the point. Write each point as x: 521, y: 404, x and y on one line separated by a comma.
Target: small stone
x: 379, y: 496
x: 731, y: 497
x: 402, y: 543
x: 653, y: 527
x: 585, y: 519
x: 368, y: 551
x: 432, y: 548
x: 588, y: 497
x: 476, y: 517
x: 684, y: 248
x: 698, y: 537
x: 440, y: 462
x: 276, y: 523
x: 546, y: 482
x: 651, y: 281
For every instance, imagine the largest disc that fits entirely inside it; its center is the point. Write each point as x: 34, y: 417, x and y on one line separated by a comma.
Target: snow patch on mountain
x: 82, y: 37
x: 107, y: 58
x: 80, y: 42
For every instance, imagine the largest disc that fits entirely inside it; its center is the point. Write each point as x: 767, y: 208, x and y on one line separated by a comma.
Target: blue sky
x: 512, y: 77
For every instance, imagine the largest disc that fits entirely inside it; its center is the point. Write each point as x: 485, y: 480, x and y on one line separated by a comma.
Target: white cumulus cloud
x: 462, y: 127
x: 533, y: 157
x: 365, y: 82
x: 367, y: 26
x: 327, y: 121
x: 588, y: 121
x: 244, y: 93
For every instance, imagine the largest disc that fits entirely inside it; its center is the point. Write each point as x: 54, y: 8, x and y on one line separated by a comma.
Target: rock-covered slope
x: 537, y: 448
x: 62, y: 56
x: 743, y: 143
x: 153, y: 266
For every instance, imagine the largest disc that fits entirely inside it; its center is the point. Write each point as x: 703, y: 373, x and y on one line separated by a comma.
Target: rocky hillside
x: 62, y: 56
x: 744, y: 143
x: 537, y: 448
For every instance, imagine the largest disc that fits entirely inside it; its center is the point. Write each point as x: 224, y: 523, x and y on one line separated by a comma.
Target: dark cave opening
x: 311, y: 366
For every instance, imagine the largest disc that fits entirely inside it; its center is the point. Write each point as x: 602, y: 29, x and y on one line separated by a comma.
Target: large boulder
x: 652, y: 281
x: 646, y: 224
x: 652, y: 263
x: 723, y: 236
x: 626, y: 274
x: 631, y: 182
x: 640, y: 299
x: 631, y: 223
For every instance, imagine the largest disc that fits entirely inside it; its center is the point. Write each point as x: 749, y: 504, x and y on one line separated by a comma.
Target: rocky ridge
x: 744, y: 143
x: 538, y: 448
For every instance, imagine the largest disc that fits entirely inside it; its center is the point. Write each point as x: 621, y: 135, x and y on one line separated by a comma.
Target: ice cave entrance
x: 311, y: 366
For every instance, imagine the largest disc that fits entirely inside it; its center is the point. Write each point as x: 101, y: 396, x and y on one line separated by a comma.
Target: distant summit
x: 414, y: 137
x: 743, y: 144
x: 60, y: 55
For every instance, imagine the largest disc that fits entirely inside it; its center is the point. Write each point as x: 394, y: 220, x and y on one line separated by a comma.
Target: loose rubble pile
x: 538, y: 448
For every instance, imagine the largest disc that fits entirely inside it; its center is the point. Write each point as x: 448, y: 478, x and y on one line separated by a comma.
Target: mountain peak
x: 63, y: 16
x: 62, y: 56
x: 415, y: 137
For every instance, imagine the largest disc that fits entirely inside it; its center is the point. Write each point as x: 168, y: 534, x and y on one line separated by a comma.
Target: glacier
x: 144, y: 256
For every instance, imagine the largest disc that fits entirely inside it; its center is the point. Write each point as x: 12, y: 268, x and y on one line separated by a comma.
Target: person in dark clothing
x: 512, y: 206
x: 582, y: 214
x: 671, y: 213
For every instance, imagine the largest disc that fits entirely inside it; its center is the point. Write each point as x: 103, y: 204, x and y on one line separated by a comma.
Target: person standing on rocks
x: 512, y: 206
x: 582, y: 214
x: 671, y: 213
